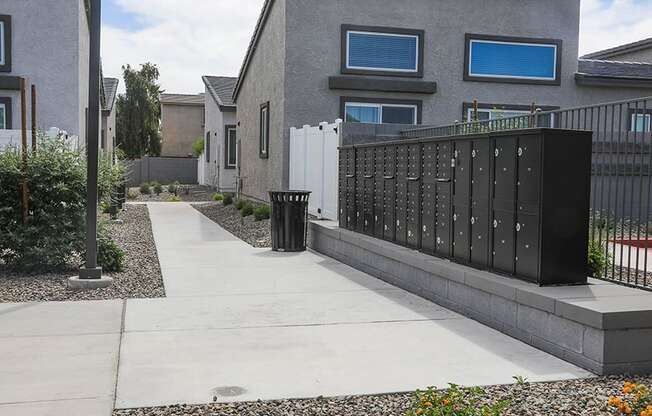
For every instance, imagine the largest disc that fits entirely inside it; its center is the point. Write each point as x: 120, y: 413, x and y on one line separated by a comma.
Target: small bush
x: 132, y: 195
x: 174, y: 198
x: 109, y: 256
x: 157, y: 187
x: 145, y: 188
x: 262, y: 213
x: 227, y: 199
x: 198, y: 147
x: 218, y: 197
x: 247, y: 210
x: 454, y: 401
x: 598, y: 260
x: 173, y: 188
x: 239, y: 204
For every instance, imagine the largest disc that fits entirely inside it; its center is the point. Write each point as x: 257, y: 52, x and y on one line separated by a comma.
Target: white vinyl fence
x: 313, y: 166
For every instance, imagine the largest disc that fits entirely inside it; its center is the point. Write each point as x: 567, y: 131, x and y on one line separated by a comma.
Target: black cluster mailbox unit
x: 514, y: 202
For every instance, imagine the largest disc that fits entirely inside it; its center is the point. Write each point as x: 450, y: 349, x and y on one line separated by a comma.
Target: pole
x: 33, y: 118
x: 23, y: 133
x: 91, y: 270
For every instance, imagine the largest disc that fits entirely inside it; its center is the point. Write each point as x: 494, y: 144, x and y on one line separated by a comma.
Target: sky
x: 191, y: 38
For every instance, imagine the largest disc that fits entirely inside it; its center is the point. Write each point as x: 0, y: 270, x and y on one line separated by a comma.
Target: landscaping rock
x: 187, y: 193
x: 255, y: 233
x: 585, y: 397
x: 141, y: 277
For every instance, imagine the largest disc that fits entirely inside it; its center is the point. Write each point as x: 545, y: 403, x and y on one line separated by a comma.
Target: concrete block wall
x: 604, y: 328
x: 164, y: 170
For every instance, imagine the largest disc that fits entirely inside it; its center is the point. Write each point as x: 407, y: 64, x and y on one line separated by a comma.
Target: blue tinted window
x: 399, y: 115
x: 512, y: 60
x: 362, y: 114
x: 382, y: 51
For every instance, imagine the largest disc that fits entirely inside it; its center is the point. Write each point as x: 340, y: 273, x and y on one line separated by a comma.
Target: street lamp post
x: 90, y: 275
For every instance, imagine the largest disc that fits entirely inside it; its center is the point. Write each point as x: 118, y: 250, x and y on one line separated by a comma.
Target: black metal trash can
x: 289, y: 219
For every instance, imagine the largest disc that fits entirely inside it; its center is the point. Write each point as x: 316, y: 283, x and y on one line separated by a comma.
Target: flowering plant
x: 454, y: 401
x: 636, y: 400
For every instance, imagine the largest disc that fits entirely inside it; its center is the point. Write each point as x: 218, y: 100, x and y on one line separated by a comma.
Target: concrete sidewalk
x: 242, y: 323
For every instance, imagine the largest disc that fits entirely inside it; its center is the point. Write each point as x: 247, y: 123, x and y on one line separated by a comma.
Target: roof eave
x: 611, y: 81
x: 619, y: 50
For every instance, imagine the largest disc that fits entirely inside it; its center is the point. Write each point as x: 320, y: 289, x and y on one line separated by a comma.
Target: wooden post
x: 23, y: 127
x: 33, y: 102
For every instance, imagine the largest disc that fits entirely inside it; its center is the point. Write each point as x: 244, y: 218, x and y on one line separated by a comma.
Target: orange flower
x: 614, y: 401
x: 628, y: 389
x: 445, y: 402
x: 419, y: 411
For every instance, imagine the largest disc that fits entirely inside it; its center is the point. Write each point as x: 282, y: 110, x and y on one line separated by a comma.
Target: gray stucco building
x: 48, y: 47
x: 418, y: 62
x: 220, y: 156
x: 182, y: 122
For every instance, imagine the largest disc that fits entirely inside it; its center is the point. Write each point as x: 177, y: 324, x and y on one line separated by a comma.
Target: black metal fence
x: 621, y: 177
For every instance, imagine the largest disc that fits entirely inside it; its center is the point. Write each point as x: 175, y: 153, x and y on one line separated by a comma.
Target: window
x: 5, y: 43
x: 494, y: 113
x: 264, y: 131
x: 641, y: 122
x: 506, y: 59
x: 231, y: 147
x: 207, y: 147
x: 383, y: 51
x: 5, y: 113
x: 381, y: 111
x: 488, y: 112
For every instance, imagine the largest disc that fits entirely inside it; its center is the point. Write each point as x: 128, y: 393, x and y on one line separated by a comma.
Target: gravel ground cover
x: 187, y: 193
x: 141, y: 277
x: 586, y: 397
x: 255, y: 233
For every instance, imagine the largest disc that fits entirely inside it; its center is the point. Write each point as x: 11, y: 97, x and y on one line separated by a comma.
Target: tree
x: 139, y: 112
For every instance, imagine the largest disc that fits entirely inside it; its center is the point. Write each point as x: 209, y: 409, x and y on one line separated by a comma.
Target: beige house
x: 182, y: 122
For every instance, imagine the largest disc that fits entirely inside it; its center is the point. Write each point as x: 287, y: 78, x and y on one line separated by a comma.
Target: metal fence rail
x: 621, y: 177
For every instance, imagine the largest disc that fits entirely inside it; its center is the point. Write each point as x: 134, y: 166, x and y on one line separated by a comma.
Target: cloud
x: 608, y: 23
x: 186, y: 39
x: 190, y: 38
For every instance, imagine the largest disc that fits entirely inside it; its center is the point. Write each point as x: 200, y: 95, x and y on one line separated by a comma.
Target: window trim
x: 263, y: 152
x: 640, y: 112
x: 207, y: 147
x: 418, y: 104
x: 5, y: 38
x: 6, y: 101
x: 227, y: 128
x: 468, y: 76
x: 381, y: 30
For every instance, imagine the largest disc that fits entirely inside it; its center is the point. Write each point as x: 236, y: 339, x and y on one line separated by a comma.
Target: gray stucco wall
x: 50, y: 49
x: 181, y: 125
x: 216, y: 174
x: 265, y: 82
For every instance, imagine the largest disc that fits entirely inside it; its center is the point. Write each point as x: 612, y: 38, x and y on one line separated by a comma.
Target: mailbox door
x: 504, y: 173
x: 429, y: 197
x: 368, y: 210
x: 461, y: 233
x: 413, y: 203
x: 341, y: 188
x: 389, y: 193
x: 480, y: 194
x: 527, y: 247
x: 503, y: 241
x: 350, y: 189
x: 401, y: 193
x: 529, y: 173
x: 443, y: 232
x: 461, y: 164
x: 379, y: 173
x: 360, y: 155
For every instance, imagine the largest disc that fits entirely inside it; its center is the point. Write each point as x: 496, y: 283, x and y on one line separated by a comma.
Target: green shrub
x: 218, y: 197
x: 109, y: 256
x: 174, y: 198
x: 262, y: 213
x: 455, y: 401
x: 132, y: 195
x: 54, y: 233
x: 145, y: 188
x: 247, y: 210
x: 157, y: 188
x: 198, y: 147
x: 173, y: 188
x: 239, y: 204
x: 227, y: 199
x: 110, y: 176
x: 598, y: 260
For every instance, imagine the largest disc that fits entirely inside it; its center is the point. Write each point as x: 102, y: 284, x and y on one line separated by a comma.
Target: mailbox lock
x: 473, y: 153
x: 472, y: 220
x: 452, y: 162
x: 518, y: 227
x: 496, y: 152
x: 454, y: 217
x: 520, y: 151
x: 495, y: 223
x: 398, y: 223
x: 386, y: 227
x: 409, y: 234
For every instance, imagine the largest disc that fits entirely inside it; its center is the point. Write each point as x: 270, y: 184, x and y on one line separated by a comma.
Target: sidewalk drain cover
x: 229, y: 391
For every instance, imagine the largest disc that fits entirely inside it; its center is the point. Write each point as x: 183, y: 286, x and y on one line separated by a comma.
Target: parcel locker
x: 389, y: 192
x: 461, y: 165
x: 379, y: 186
x: 428, y: 197
x: 413, y: 202
x: 443, y: 203
x: 359, y: 189
x: 480, y: 193
x: 368, y: 190
x: 401, y: 193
